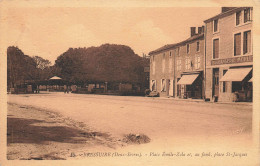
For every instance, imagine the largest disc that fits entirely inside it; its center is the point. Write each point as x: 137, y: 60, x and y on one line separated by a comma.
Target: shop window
x: 247, y: 42
x: 247, y: 15
x: 237, y: 44
x: 238, y: 18
x: 215, y: 48
x: 224, y: 82
x: 236, y: 86
x: 163, y: 85
x: 215, y: 26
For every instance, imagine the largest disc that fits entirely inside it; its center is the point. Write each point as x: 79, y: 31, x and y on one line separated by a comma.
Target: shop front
x: 236, y: 85
x: 190, y: 85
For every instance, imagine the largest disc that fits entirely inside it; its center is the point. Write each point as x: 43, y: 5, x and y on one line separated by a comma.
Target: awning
x: 55, y: 78
x: 187, y: 79
x: 237, y: 74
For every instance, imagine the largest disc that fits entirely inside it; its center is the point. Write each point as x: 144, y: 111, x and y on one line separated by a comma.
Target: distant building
x: 229, y: 55
x: 177, y: 69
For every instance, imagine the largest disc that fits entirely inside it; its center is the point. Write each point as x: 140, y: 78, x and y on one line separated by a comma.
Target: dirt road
x: 167, y: 122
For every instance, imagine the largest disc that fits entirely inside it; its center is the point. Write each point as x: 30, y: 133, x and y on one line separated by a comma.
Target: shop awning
x: 187, y: 79
x: 237, y: 74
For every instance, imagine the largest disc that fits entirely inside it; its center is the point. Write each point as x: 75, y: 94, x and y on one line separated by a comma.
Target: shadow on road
x: 20, y: 130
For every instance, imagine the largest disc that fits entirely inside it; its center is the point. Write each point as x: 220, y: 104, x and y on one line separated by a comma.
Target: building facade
x: 229, y: 55
x: 177, y: 69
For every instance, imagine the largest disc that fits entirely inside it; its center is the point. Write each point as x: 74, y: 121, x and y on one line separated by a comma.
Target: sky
x: 50, y: 31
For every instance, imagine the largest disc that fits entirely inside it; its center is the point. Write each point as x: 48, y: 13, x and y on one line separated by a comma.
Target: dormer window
x: 215, y: 26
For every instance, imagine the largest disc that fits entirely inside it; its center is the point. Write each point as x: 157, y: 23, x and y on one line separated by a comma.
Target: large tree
x: 43, y: 68
x: 107, y: 63
x: 20, y: 67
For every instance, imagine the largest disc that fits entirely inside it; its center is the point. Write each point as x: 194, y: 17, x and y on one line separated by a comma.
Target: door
x: 215, y: 87
x: 170, y: 87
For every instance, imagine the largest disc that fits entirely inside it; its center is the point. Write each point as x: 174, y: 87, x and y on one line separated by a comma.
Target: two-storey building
x: 229, y: 55
x: 177, y: 69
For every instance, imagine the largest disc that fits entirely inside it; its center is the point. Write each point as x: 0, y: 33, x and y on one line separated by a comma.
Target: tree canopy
x: 20, y: 67
x: 107, y: 63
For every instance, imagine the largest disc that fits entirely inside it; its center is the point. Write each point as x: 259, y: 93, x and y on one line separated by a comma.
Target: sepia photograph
x: 128, y: 84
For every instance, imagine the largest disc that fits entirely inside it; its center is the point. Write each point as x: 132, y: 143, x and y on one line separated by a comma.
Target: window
x: 177, y: 51
x: 187, y: 63
x: 247, y: 15
x: 236, y: 86
x: 215, y: 26
x: 197, y: 62
x: 198, y: 46
x: 238, y: 18
x: 163, y: 85
x: 170, y: 62
x: 247, y: 42
x: 153, y: 85
x: 224, y: 83
x: 163, y: 63
x: 215, y: 48
x: 178, y: 64
x: 237, y: 44
x: 188, y: 48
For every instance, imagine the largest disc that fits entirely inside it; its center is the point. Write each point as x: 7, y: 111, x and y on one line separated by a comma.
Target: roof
x: 170, y: 46
x: 224, y: 14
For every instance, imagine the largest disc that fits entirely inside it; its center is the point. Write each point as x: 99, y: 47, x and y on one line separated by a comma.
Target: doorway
x: 215, y: 88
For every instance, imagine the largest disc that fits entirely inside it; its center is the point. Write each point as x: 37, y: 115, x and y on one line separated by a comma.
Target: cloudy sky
x: 50, y: 31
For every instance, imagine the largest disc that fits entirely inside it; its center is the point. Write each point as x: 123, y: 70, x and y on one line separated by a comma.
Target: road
x: 157, y: 118
x: 172, y: 125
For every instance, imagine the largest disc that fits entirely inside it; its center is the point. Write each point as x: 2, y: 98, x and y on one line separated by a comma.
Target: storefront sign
x: 233, y: 60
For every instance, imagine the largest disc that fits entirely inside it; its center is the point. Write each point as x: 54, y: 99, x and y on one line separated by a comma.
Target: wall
x: 162, y: 69
x: 227, y: 29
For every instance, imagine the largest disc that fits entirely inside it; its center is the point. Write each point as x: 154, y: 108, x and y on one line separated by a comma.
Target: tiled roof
x: 170, y: 46
x: 223, y: 14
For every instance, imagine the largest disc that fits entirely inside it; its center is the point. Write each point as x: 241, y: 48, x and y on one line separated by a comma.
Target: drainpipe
x: 205, y: 32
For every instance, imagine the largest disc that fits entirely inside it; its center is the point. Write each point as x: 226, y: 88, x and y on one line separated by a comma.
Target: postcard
x: 129, y: 83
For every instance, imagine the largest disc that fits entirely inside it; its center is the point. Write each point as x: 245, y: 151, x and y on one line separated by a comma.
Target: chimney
x: 225, y: 9
x: 192, y: 31
x: 201, y: 30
